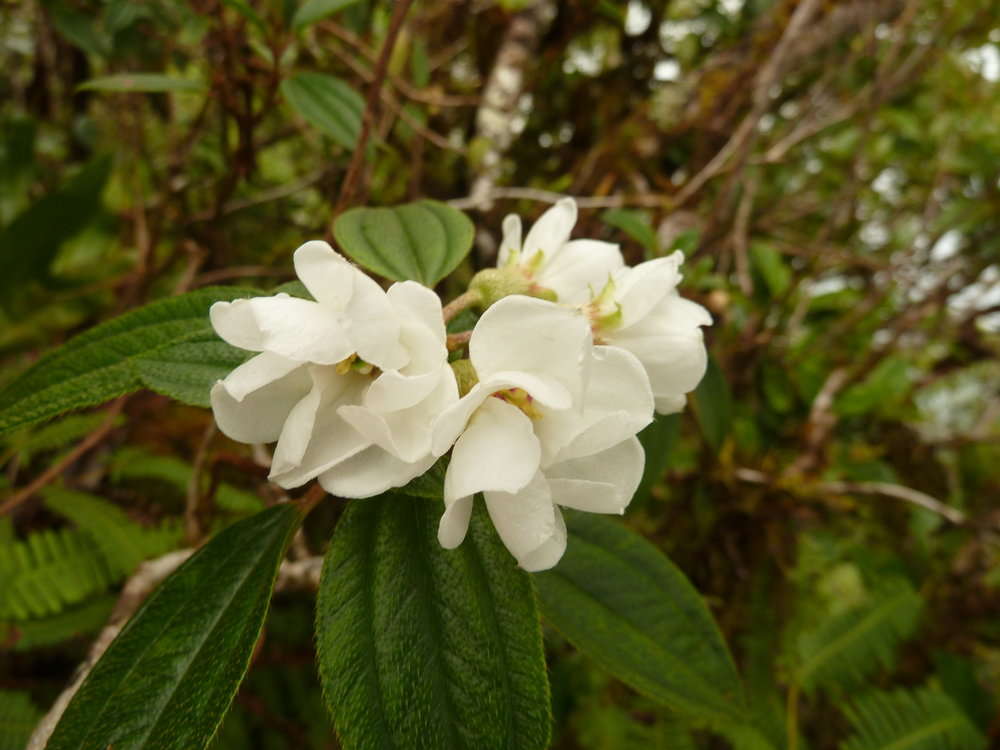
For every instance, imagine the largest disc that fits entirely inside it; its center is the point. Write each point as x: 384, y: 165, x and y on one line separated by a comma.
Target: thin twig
x: 192, y: 506
x: 368, y: 119
x: 649, y: 200
x: 50, y: 474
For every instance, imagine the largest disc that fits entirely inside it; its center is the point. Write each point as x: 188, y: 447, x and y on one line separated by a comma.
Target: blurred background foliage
x: 828, y: 167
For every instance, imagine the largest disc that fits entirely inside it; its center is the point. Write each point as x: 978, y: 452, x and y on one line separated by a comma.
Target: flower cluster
x: 572, y: 354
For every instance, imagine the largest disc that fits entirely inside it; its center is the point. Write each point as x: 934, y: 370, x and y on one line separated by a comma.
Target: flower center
x: 355, y: 364
x: 604, y: 312
x: 521, y: 399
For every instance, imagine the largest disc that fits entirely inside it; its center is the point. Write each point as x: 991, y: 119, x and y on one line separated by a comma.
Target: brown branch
x: 368, y: 119
x: 50, y: 474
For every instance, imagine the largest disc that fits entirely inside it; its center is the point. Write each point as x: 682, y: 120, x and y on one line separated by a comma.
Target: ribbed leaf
x: 49, y: 571
x: 186, y: 371
x: 846, y: 649
x: 104, y: 362
x: 18, y: 716
x: 149, y: 82
x: 420, y: 647
x: 422, y: 241
x: 328, y: 104
x: 29, y: 244
x: 315, y: 10
x: 26, y: 444
x: 922, y: 719
x: 168, y: 678
x: 623, y: 603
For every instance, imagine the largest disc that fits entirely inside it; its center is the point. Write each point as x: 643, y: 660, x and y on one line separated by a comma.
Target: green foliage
x: 18, y: 717
x: 327, y: 103
x: 460, y: 624
x: 29, y: 244
x: 48, y: 571
x: 123, y: 542
x: 920, y: 719
x: 104, y: 362
x: 847, y: 648
x: 134, y: 463
x: 422, y: 241
x: 71, y: 622
x: 169, y: 677
x: 658, y: 440
x: 636, y: 225
x: 713, y: 407
x: 665, y: 643
x: 882, y: 386
x: 311, y: 11
x: 145, y: 82
x: 26, y: 444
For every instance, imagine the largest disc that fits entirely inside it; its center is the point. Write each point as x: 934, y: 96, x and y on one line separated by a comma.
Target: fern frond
x: 48, y: 571
x: 18, y: 717
x: 83, y: 619
x: 132, y: 463
x: 28, y: 443
x: 849, y: 647
x: 922, y: 719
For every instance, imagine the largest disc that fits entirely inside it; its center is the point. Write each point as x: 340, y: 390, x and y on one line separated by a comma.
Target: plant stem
x: 458, y: 340
x: 368, y: 119
x: 461, y: 302
x: 792, y: 716
x: 312, y: 498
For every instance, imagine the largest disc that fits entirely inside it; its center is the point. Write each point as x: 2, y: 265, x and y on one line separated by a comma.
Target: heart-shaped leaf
x: 421, y: 647
x: 168, y: 678
x: 421, y: 241
x: 622, y: 602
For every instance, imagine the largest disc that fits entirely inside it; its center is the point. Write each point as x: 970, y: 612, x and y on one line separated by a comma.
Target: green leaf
x: 636, y: 225
x: 772, y: 268
x: 420, y: 647
x: 29, y: 244
x: 921, y: 719
x: 145, y: 82
x: 314, y: 10
x: 186, y: 371
x: 422, y: 241
x: 18, y: 716
x: 625, y: 605
x: 83, y: 619
x: 328, y: 104
x: 846, y: 649
x: 105, y: 361
x: 884, y: 385
x: 168, y: 678
x: 713, y: 405
x: 658, y: 440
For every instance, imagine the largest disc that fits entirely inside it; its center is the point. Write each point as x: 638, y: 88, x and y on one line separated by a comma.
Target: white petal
x: 670, y: 404
x: 452, y: 420
x: 552, y: 229
x: 551, y: 551
x: 579, y: 269
x: 618, y: 403
x: 511, y: 242
x: 640, y: 289
x: 373, y: 325
x: 295, y: 328
x: 528, y: 523
x: 602, y: 483
x: 258, y: 416
x: 371, y: 472
x: 541, y: 388
x: 497, y: 451
x: 327, y: 275
x: 420, y: 304
x: 258, y: 372
x: 315, y: 438
x: 523, y: 334
x: 454, y: 523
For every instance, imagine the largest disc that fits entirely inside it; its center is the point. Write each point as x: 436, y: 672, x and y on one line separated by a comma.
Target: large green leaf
x: 109, y: 360
x: 326, y: 103
x: 315, y: 10
x: 420, y: 647
x: 422, y: 241
x: 147, y: 82
x: 168, y: 678
x: 623, y: 603
x: 29, y: 244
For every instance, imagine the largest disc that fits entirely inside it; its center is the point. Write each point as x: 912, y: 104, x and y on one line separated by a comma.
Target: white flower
x: 640, y: 311
x: 347, y: 385
x: 570, y: 268
x: 551, y: 422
